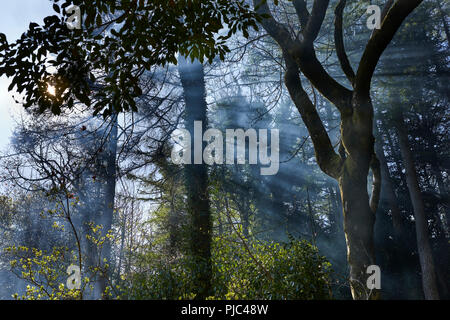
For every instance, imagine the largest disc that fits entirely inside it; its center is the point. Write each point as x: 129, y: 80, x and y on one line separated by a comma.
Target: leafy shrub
x: 254, y: 270
x: 270, y: 270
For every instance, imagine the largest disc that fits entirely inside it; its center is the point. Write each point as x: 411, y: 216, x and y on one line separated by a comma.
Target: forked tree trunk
x: 358, y: 209
x: 351, y: 170
x: 357, y: 155
x: 429, y: 281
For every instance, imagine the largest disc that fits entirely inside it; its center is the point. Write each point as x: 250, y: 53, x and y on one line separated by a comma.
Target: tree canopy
x: 100, y: 63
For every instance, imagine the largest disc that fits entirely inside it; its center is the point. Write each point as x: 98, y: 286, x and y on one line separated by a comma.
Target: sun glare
x: 51, y: 90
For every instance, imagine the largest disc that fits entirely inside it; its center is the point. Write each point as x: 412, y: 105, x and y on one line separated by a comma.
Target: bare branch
x: 304, y: 54
x: 315, y: 21
x: 386, y: 8
x: 275, y: 29
x: 339, y: 42
x: 380, y: 40
x: 327, y: 158
x: 306, y: 59
x: 302, y: 12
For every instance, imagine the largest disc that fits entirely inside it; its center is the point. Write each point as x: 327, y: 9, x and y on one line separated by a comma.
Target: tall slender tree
x: 196, y: 176
x: 429, y: 281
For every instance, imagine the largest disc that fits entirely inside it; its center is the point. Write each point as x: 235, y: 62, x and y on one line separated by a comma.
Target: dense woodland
x: 88, y: 179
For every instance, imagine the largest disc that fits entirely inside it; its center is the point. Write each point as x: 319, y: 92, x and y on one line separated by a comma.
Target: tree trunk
x: 196, y: 177
x: 108, y: 213
x: 97, y: 189
x: 350, y: 169
x: 429, y: 282
x: 336, y: 209
x: 388, y: 191
x: 359, y: 210
x: 122, y: 242
x: 357, y: 154
x: 359, y: 221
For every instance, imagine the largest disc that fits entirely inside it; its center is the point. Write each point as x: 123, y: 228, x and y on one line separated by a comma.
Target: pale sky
x: 15, y: 16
